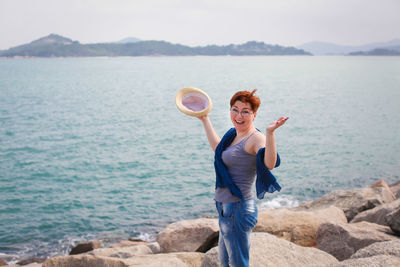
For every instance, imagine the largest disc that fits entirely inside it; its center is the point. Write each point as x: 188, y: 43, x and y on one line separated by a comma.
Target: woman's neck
x: 244, y: 132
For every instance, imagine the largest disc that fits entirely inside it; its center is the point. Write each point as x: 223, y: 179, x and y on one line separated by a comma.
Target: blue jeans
x: 236, y: 220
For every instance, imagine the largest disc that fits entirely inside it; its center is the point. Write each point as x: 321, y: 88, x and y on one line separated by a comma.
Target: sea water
x: 95, y: 148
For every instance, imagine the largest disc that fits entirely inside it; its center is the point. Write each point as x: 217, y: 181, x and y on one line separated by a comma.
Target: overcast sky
x: 201, y: 22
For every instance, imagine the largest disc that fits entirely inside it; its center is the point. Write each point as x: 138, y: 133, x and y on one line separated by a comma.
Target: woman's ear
x: 255, y: 115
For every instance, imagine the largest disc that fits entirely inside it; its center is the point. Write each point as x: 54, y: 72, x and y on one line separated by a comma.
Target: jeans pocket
x: 227, y: 210
x: 248, y: 215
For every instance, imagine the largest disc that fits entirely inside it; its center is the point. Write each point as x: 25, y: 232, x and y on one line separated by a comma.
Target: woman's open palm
x: 276, y: 124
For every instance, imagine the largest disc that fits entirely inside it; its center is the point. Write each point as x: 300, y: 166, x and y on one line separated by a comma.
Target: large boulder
x: 377, y: 214
x: 395, y: 188
x: 84, y: 261
x: 343, y: 240
x: 197, y: 235
x: 122, y: 252
x: 299, y: 227
x: 382, y: 183
x: 85, y: 247
x: 379, y: 248
x: 129, y: 243
x: 269, y: 250
x: 393, y: 220
x: 351, y: 202
x: 178, y: 259
x: 154, y: 246
x: 374, y: 261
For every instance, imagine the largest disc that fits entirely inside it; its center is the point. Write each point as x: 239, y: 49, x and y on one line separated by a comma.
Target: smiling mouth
x: 239, y: 122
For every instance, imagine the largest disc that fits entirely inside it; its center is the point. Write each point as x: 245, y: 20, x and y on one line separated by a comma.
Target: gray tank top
x: 242, y: 169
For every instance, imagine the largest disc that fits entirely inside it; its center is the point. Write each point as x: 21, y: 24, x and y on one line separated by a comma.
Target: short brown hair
x: 247, y: 97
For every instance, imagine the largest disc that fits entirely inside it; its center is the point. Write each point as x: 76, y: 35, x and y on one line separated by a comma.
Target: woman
x: 242, y: 153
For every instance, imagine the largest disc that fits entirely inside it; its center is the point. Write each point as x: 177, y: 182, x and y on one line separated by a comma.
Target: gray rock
x: 197, y: 235
x: 351, y: 202
x: 85, y: 247
x: 395, y: 188
x: 211, y: 258
x: 382, y: 183
x: 377, y: 214
x: 379, y: 248
x: 343, y: 240
x: 268, y: 250
x: 122, y: 252
x: 374, y: 261
x: 393, y: 220
x: 154, y: 247
x: 128, y: 243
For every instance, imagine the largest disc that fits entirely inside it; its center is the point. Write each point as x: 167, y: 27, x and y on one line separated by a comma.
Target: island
x: 55, y: 45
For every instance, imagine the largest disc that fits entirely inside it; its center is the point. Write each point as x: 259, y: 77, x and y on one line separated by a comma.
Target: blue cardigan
x: 265, y: 182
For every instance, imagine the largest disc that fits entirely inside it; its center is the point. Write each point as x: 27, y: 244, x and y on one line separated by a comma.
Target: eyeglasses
x: 244, y: 113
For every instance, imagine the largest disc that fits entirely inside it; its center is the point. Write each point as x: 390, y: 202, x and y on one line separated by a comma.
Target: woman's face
x: 242, y: 115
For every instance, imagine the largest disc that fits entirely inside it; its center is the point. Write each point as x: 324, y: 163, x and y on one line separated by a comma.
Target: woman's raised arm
x: 270, y: 144
x: 212, y: 136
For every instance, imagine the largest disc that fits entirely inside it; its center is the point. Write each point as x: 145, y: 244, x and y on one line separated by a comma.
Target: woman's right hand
x: 203, y: 118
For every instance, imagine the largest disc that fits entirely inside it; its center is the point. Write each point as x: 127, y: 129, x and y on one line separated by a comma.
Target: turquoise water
x: 95, y: 147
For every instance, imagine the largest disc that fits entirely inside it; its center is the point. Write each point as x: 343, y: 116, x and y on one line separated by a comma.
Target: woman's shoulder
x: 258, y: 136
x: 255, y: 142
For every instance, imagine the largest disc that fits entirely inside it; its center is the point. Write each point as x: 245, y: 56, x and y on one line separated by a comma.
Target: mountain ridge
x: 55, y: 45
x: 326, y: 48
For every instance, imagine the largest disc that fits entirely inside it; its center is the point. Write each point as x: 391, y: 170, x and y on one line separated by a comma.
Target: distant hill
x: 58, y: 46
x: 249, y: 48
x: 51, y: 45
x: 396, y: 47
x: 323, y: 48
x: 386, y: 51
x: 128, y: 40
x: 377, y: 52
x: 52, y: 39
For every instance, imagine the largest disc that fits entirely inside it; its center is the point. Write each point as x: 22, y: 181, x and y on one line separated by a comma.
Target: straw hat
x: 193, y: 102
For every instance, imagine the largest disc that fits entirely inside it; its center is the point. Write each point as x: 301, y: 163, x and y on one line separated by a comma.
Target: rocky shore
x: 358, y: 227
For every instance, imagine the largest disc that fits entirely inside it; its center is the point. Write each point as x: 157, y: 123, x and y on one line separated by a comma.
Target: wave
x: 281, y: 201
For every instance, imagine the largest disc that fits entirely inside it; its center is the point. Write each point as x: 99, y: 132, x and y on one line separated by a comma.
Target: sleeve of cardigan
x: 266, y: 181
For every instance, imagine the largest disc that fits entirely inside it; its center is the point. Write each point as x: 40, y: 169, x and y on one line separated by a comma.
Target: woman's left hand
x: 276, y: 124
